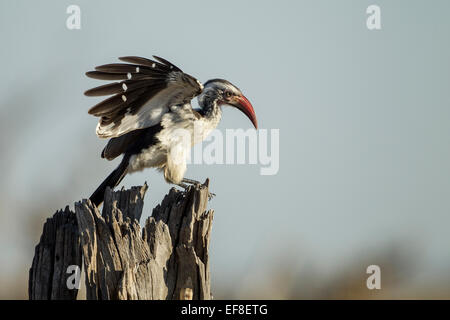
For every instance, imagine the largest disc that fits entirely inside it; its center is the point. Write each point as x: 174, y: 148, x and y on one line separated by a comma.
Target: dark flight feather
x: 146, y: 62
x: 111, y: 105
x: 172, y: 66
x: 142, y: 79
x: 106, y: 106
x: 131, y: 106
x: 121, y: 87
x: 106, y: 89
x: 106, y: 76
x: 132, y: 69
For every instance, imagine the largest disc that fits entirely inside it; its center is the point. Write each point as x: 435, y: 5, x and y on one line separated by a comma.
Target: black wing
x: 147, y: 90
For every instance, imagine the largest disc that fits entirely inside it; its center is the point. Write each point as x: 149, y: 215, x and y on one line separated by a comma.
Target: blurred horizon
x: 364, y: 136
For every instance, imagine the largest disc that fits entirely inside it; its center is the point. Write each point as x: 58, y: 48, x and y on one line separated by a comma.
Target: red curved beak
x: 246, y: 107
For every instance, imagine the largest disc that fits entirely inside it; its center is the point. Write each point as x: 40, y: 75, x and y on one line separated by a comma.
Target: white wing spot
x: 129, y: 75
x: 124, y: 87
x: 171, y: 67
x: 124, y: 98
x: 137, y: 69
x: 153, y: 65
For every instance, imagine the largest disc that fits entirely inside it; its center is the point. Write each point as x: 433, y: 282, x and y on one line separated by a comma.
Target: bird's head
x: 225, y: 93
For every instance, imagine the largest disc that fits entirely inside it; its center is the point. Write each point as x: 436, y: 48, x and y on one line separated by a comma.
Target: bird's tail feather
x: 111, y: 181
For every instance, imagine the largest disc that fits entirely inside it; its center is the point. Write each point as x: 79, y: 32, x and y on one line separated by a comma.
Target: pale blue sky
x: 363, y: 118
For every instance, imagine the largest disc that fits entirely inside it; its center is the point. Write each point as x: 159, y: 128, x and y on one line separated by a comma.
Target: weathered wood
x: 167, y: 259
x: 58, y: 248
x: 184, y: 223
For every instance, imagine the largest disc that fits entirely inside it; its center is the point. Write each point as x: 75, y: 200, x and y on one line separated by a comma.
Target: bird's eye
x: 228, y: 94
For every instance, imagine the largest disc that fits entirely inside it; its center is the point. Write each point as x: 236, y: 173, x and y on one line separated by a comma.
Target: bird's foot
x: 185, y: 184
x: 191, y: 181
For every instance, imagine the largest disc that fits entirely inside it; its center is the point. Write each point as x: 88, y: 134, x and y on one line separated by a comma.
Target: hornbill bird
x: 149, y: 115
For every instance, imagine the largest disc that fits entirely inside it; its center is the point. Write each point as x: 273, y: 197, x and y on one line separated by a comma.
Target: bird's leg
x: 195, y: 182
x: 183, y: 185
x: 190, y: 181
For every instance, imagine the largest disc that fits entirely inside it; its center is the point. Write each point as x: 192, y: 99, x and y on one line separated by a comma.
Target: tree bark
x: 166, y: 259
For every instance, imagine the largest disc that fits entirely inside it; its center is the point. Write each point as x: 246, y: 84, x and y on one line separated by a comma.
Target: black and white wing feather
x: 145, y: 93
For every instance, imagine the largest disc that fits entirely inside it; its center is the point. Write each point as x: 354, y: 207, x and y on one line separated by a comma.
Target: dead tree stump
x: 166, y: 259
x: 58, y: 249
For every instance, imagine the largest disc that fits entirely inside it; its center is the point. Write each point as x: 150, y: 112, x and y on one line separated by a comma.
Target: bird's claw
x: 211, y: 195
x: 186, y: 182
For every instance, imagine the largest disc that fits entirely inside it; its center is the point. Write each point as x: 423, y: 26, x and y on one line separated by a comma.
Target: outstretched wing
x: 145, y: 93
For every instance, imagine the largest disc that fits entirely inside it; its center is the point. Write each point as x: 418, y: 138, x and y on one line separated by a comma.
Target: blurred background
x: 363, y: 115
